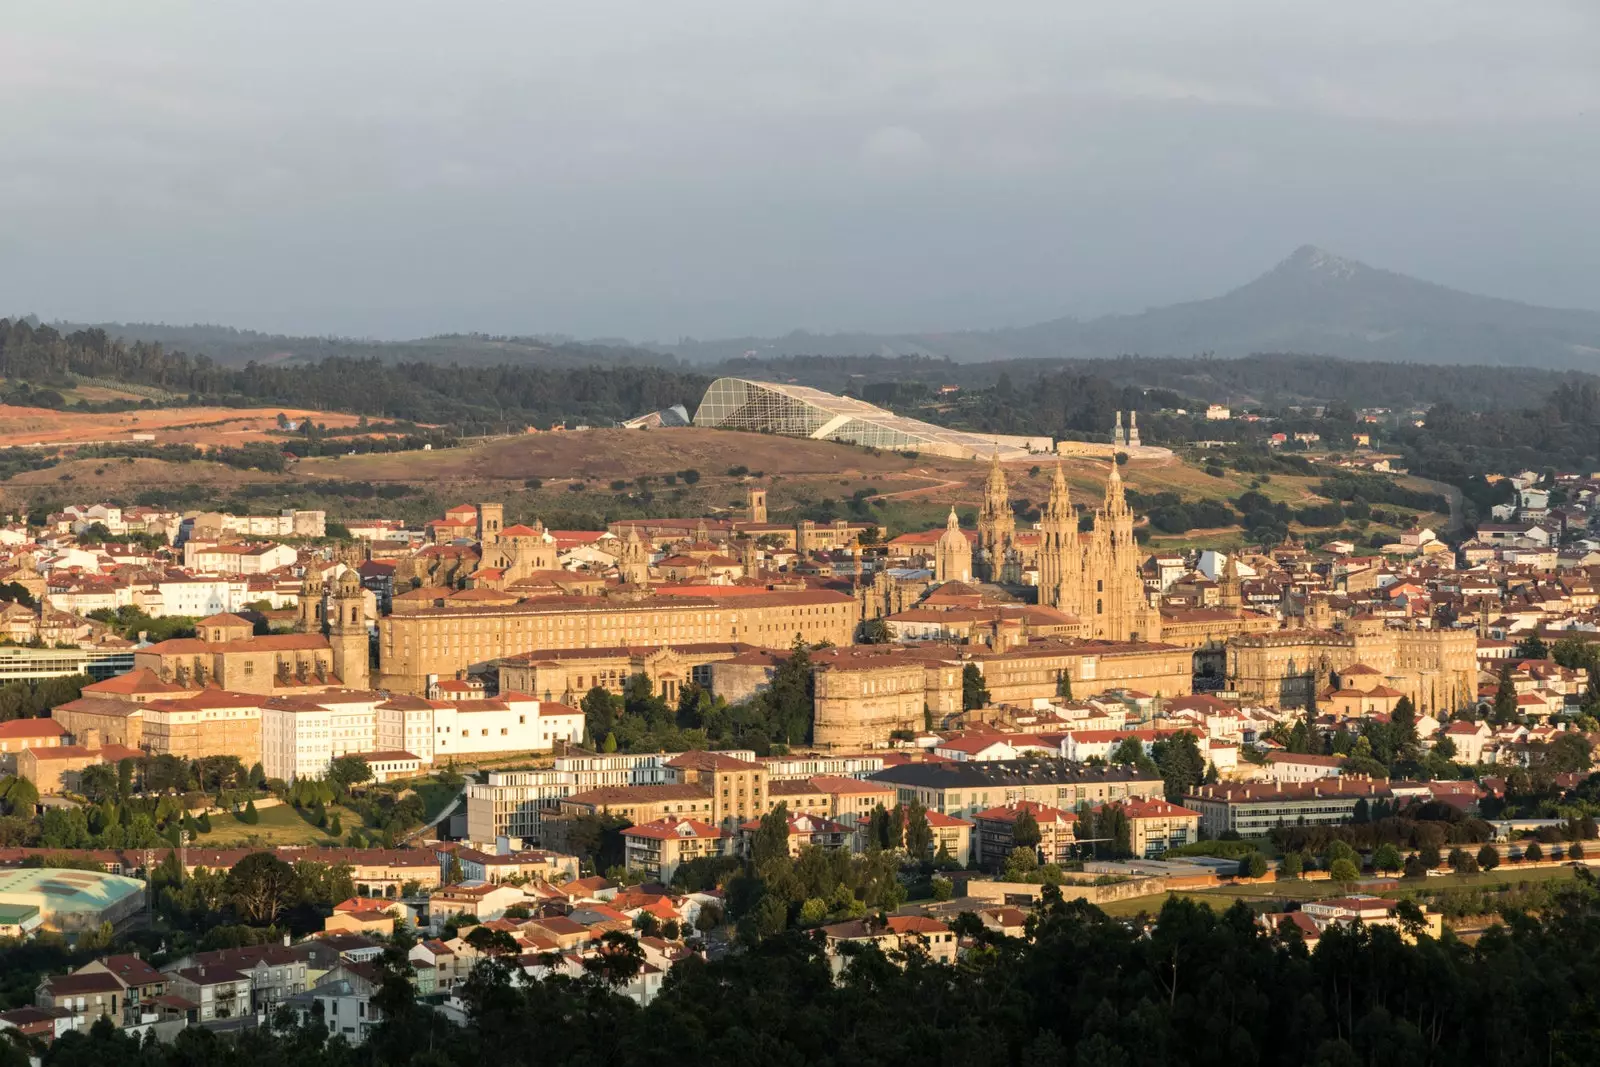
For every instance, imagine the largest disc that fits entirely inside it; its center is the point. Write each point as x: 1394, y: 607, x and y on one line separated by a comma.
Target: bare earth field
x: 190, y: 426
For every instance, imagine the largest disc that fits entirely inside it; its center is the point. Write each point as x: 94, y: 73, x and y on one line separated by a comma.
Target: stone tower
x: 347, y: 632
x: 952, y: 554
x: 758, y: 504
x: 1133, y: 429
x: 491, y: 518
x: 311, y: 592
x: 633, y: 565
x: 1114, y: 598
x: 1231, y: 587
x: 1060, y: 553
x: 997, y: 526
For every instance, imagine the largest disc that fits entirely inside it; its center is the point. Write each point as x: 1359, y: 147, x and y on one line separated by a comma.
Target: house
x: 803, y: 831
x: 439, y: 959
x: 994, y: 832
x: 477, y: 900
x: 1470, y: 739
x: 1157, y: 825
x: 657, y: 849
x: 1301, y: 766
x: 19, y: 734
x: 141, y: 983
x: 977, y: 748
x: 274, y: 972
x: 218, y: 992
x: 346, y: 1012
x: 87, y: 996
x: 41, y: 1024
x: 1367, y: 910
x: 363, y: 915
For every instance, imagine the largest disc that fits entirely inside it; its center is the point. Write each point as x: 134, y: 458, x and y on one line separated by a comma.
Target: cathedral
x: 1094, y: 576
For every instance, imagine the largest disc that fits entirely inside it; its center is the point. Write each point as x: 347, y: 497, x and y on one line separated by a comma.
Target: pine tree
x: 1505, y: 698
x: 250, y: 816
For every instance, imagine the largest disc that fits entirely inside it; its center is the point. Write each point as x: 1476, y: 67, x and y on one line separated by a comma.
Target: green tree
x: 974, y: 694
x: 1181, y: 765
x: 1290, y: 866
x: 1461, y: 861
x: 1505, y: 699
x: 250, y: 816
x: 350, y: 770
x: 1025, y: 830
x: 1534, y: 853
x: 771, y: 840
x: 1064, y: 685
x: 1532, y: 647
x: 875, y: 632
x: 1254, y: 866
x: 790, y: 696
x: 260, y: 886
x: 1345, y: 872
x: 1386, y: 858
x: 1488, y: 857
x: 919, y: 835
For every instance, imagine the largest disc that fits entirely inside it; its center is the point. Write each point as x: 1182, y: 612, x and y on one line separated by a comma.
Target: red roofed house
x: 19, y: 734
x: 659, y: 848
x: 804, y: 830
x: 1157, y: 825
x: 995, y: 828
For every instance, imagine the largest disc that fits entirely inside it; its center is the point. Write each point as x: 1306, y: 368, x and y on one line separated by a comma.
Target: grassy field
x: 1259, y: 894
x: 280, y: 825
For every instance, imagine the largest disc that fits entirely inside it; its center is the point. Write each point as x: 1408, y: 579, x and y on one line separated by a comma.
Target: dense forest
x: 1191, y: 987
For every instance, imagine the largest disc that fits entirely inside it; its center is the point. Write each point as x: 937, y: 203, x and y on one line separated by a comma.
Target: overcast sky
x: 654, y: 169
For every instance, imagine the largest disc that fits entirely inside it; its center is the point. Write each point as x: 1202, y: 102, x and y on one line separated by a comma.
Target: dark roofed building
x: 965, y: 787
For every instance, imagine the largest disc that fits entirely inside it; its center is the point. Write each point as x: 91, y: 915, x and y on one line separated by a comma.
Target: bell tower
x: 310, y: 606
x: 347, y: 632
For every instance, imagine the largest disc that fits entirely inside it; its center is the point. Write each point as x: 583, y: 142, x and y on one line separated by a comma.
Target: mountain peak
x: 1309, y: 259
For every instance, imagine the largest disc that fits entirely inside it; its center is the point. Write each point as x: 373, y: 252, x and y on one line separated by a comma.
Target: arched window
x: 1099, y: 607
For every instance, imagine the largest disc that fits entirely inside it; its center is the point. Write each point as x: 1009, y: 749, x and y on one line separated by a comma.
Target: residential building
x: 658, y: 848
x: 1155, y: 825
x: 963, y: 789
x: 1250, y: 809
x: 994, y: 830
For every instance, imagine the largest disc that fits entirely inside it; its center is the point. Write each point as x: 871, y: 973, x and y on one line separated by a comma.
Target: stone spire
x: 997, y: 526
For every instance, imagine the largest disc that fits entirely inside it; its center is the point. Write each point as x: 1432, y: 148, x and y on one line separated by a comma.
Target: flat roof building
x: 799, y: 411
x: 966, y: 788
x: 71, y: 900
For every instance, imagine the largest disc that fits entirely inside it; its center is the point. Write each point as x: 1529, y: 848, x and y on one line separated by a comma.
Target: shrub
x: 1488, y: 857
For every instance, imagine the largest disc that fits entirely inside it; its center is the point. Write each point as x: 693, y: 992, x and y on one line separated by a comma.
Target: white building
x: 237, y: 559
x: 301, y: 736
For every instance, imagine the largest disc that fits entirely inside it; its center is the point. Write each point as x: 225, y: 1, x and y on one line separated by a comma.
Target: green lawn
x: 281, y: 825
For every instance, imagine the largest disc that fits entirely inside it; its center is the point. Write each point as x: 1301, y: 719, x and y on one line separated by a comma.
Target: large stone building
x: 447, y: 639
x: 952, y: 553
x: 997, y: 526
x: 866, y: 692
x: 566, y: 674
x: 1437, y: 669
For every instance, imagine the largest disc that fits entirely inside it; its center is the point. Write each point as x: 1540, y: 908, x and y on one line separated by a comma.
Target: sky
x: 651, y: 171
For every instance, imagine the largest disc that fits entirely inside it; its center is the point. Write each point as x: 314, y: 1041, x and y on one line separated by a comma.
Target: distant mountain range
x: 1312, y: 302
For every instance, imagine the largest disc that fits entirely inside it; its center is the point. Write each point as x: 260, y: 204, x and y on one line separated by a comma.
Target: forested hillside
x: 471, y: 399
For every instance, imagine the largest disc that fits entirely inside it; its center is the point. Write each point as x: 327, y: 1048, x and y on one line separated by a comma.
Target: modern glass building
x: 799, y: 411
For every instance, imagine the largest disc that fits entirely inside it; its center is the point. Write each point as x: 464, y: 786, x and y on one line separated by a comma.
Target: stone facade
x: 448, y: 641
x: 1437, y: 669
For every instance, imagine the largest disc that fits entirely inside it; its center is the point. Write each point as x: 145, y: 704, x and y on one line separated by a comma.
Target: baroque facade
x: 1095, y: 578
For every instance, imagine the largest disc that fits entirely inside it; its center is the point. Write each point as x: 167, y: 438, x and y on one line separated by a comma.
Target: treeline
x: 1561, y: 431
x: 474, y: 399
x: 1269, y: 379
x: 1190, y: 987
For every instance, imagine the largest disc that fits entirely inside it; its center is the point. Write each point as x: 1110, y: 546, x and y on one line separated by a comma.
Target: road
x: 444, y: 813
x: 1452, y: 494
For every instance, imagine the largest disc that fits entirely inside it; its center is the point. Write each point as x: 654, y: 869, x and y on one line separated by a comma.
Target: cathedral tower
x: 1060, y: 553
x: 997, y: 526
x: 347, y: 632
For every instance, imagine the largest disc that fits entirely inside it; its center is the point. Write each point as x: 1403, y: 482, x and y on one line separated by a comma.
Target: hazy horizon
x: 633, y: 171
